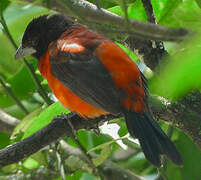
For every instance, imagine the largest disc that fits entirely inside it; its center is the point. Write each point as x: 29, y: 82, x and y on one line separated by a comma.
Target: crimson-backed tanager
x: 92, y: 76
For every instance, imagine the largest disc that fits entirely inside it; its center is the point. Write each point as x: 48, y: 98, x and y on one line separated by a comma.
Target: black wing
x: 85, y: 76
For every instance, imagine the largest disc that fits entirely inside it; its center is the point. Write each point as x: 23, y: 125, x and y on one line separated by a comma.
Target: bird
x: 92, y: 76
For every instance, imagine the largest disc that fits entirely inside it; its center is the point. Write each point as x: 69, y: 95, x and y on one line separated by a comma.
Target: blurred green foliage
x: 179, y: 74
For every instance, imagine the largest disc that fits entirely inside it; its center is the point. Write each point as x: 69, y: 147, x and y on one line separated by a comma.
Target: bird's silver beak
x: 22, y: 52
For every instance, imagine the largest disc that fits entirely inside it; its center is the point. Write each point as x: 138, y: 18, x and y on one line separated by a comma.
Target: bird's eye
x: 34, y: 42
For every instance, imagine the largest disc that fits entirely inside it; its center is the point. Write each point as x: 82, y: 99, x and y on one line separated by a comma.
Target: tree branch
x: 184, y: 114
x: 58, y: 128
x: 88, y: 13
x: 8, y: 119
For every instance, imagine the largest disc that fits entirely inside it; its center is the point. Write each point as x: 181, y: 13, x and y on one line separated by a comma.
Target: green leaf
x: 40, y: 157
x: 18, y: 86
x: 8, y: 66
x: 105, y: 3
x: 15, y: 111
x: 191, y: 155
x: 116, y: 10
x: 129, y: 52
x: 177, y: 13
x: 4, y: 139
x: 135, y: 11
x: 17, y: 17
x: 74, y: 163
x: 104, y: 145
x: 25, y: 123
x: 45, y: 118
x: 30, y: 163
x: 9, y: 169
x: 91, y: 139
x: 182, y: 74
x: 3, y: 5
x: 139, y: 164
x: 87, y: 176
x: 103, y: 156
x: 75, y: 176
x: 198, y: 3
x: 123, y: 129
x: 165, y: 8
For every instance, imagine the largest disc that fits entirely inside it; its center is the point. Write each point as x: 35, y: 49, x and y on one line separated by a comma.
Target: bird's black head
x: 40, y: 32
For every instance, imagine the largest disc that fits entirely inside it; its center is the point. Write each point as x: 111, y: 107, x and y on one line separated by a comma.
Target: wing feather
x: 84, y: 75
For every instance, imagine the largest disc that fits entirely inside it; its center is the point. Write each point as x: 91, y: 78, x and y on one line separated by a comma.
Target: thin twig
x: 97, y: 4
x: 125, y: 8
x: 41, y: 91
x: 59, y: 162
x: 13, y: 97
x: 110, y: 170
x: 8, y: 119
x: 7, y: 122
x: 149, y: 11
x: 88, y: 157
x: 152, y: 19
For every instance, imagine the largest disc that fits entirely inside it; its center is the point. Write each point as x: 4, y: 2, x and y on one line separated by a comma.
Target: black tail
x: 153, y: 140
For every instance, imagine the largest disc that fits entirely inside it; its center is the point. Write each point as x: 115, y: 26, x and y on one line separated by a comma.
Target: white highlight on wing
x: 72, y: 46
